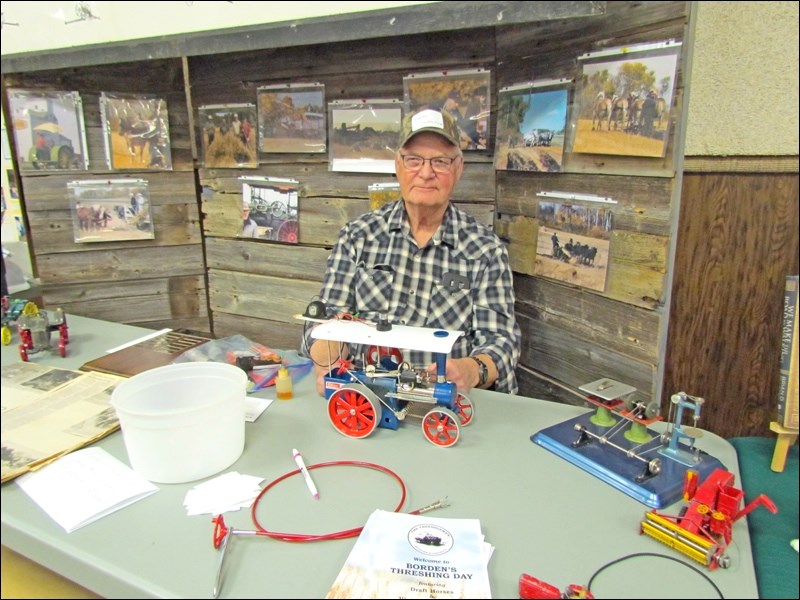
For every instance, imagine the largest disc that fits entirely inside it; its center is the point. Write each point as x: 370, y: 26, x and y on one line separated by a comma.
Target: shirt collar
x: 446, y: 234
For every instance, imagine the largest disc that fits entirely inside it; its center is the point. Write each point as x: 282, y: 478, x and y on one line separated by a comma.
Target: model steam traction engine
x: 387, y: 389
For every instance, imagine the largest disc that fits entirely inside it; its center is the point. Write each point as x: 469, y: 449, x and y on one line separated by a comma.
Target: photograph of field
x: 364, y: 136
x: 530, y: 129
x: 291, y: 118
x: 573, y: 242
x: 623, y: 106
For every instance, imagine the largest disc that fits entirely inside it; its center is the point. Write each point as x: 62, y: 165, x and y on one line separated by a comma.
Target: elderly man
x: 421, y: 261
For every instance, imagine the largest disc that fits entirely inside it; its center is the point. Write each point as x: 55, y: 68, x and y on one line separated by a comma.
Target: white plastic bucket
x: 182, y: 422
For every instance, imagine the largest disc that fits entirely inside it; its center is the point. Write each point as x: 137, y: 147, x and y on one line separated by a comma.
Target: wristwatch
x: 483, y: 371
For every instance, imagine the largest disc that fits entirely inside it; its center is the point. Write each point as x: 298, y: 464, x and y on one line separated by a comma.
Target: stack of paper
x: 84, y: 486
x: 228, y: 492
x: 399, y: 555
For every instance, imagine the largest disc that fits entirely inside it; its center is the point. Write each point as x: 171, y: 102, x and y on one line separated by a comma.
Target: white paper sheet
x: 84, y: 486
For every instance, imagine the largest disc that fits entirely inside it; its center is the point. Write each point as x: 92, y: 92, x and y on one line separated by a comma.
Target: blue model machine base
x: 619, y: 470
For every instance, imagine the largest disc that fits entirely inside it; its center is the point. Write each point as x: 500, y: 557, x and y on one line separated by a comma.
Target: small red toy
x: 704, y: 528
x: 35, y: 331
x: 531, y: 587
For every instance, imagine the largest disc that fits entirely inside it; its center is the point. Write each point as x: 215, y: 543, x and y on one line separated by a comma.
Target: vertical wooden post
x: 786, y: 437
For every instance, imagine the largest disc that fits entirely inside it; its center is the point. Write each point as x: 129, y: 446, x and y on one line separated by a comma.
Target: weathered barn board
x: 158, y: 268
x: 575, y: 361
x: 258, y: 258
x: 272, y: 298
x: 117, y: 265
x: 520, y: 233
x: 637, y: 267
x: 316, y: 180
x: 590, y: 316
x: 273, y: 334
x: 137, y: 302
x: 643, y: 203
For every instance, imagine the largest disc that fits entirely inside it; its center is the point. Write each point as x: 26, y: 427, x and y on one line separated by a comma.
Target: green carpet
x: 776, y: 563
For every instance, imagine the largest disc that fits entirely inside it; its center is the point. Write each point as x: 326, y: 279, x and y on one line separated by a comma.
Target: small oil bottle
x: 283, y: 384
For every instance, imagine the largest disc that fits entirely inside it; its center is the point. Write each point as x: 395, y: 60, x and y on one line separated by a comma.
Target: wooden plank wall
x: 152, y: 283
x: 571, y: 335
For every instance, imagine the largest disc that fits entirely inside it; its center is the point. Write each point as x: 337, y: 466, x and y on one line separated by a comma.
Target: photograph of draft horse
x: 622, y: 106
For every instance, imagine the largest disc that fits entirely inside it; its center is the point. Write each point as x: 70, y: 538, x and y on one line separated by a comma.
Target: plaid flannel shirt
x: 376, y: 270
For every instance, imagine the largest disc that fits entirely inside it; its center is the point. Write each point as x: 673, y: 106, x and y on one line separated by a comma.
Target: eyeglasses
x: 439, y: 164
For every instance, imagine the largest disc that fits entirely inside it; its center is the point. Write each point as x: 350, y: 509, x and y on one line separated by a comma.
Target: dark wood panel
x: 738, y: 241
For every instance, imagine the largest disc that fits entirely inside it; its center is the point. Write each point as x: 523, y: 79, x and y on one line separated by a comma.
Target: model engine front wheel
x: 440, y: 427
x: 353, y: 413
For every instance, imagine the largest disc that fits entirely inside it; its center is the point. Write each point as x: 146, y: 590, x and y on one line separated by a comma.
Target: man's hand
x: 464, y: 372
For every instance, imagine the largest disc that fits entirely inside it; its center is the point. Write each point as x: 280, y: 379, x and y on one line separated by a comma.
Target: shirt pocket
x: 450, y: 308
x: 373, y: 288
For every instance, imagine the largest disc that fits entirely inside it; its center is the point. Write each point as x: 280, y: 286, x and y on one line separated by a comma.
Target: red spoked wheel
x: 62, y: 348
x: 353, y: 413
x: 466, y: 410
x: 287, y: 232
x: 440, y: 427
x: 375, y: 353
x: 23, y: 353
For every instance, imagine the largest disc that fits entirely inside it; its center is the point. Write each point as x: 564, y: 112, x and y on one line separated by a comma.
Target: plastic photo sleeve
x: 114, y: 210
x: 531, y: 123
x: 136, y: 132
x: 291, y: 118
x: 466, y: 95
x: 574, y: 238
x: 49, y: 130
x: 228, y: 136
x: 364, y: 135
x: 270, y: 209
x: 383, y: 193
x: 623, y: 102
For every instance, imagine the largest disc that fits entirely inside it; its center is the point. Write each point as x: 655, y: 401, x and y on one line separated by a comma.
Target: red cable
x: 220, y: 528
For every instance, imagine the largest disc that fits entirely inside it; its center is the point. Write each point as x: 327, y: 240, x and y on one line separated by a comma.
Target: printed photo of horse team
x: 291, y: 118
x: 530, y: 130
x: 137, y: 132
x: 48, y: 130
x: 462, y: 94
x: 364, y: 135
x: 623, y: 106
x: 572, y: 243
x: 109, y: 211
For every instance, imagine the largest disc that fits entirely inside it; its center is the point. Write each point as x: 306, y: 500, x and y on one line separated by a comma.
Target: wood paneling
x: 738, y: 241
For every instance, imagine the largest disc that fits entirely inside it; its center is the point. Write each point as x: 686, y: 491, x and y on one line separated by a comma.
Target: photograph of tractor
x: 48, y: 128
x: 380, y: 389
